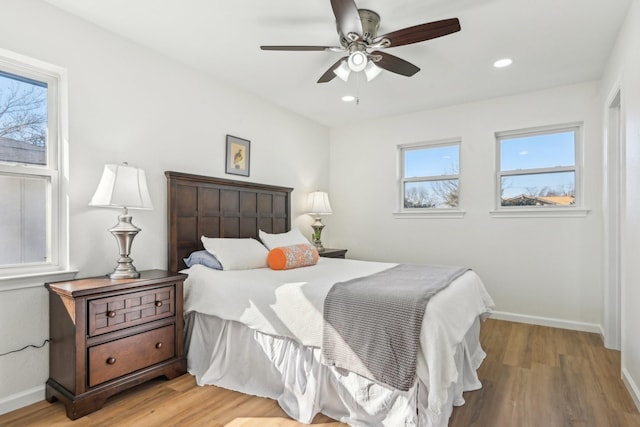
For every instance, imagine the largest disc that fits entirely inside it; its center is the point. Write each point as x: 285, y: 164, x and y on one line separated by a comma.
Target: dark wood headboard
x: 215, y: 207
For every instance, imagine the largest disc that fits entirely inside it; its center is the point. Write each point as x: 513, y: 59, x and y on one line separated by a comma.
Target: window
x: 429, y: 177
x: 29, y: 167
x: 538, y: 167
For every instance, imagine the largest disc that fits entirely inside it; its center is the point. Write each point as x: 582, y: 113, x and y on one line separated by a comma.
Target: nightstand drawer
x: 120, y: 357
x: 125, y: 310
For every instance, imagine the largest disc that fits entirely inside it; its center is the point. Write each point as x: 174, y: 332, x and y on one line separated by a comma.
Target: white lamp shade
x: 122, y: 186
x: 343, y: 71
x: 318, y: 203
x: 372, y: 71
x: 357, y: 61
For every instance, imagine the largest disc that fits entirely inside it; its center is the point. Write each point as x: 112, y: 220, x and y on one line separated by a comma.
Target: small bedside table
x: 110, y: 335
x: 333, y: 253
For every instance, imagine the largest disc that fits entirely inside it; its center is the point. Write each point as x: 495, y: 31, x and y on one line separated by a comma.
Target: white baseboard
x: 549, y: 321
x: 19, y: 400
x: 634, y: 391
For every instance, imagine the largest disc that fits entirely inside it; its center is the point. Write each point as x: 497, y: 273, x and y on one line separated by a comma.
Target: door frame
x: 613, y: 208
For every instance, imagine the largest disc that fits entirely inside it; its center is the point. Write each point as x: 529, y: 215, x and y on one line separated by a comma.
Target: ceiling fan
x: 358, y: 31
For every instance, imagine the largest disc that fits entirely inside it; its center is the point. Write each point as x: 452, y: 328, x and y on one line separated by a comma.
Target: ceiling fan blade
x: 300, y: 48
x: 329, y: 74
x: 422, y: 32
x: 395, y: 64
x: 347, y: 17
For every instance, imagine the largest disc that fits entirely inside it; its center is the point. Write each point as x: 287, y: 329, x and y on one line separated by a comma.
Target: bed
x: 260, y: 331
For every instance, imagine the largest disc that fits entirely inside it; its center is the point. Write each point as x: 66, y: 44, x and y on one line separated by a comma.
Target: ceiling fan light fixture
x: 343, y: 71
x: 357, y: 61
x: 372, y: 71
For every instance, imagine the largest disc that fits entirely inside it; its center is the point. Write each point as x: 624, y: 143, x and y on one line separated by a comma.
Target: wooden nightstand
x: 110, y: 335
x: 333, y: 253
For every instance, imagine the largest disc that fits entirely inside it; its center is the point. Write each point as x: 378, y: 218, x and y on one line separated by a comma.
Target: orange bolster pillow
x: 294, y: 256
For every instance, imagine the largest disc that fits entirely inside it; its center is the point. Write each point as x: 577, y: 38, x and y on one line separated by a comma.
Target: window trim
x: 56, y: 170
x: 575, y: 210
x: 401, y: 211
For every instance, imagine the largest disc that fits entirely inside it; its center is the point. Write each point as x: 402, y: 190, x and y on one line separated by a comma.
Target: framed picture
x: 238, y: 155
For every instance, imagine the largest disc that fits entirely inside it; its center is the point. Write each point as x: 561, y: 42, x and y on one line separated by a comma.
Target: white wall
x: 545, y: 268
x: 623, y: 73
x: 130, y: 104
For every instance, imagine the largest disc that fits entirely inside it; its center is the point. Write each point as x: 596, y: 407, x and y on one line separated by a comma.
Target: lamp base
x: 124, y: 232
x: 124, y: 270
x: 124, y: 275
x: 317, y: 232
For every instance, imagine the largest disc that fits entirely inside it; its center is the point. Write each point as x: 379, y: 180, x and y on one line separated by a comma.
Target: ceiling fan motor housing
x: 370, y: 25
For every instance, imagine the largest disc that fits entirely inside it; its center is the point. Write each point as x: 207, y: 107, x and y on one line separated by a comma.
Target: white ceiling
x: 552, y: 43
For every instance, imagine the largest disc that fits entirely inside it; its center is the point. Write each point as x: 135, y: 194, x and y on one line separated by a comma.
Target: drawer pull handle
x: 111, y: 361
x: 159, y: 345
x: 158, y: 303
x: 111, y: 314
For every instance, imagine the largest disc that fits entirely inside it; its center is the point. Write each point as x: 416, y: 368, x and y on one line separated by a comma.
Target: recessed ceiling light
x: 501, y: 63
x: 348, y: 98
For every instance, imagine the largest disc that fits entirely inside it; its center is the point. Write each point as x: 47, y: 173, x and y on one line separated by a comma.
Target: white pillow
x: 237, y: 254
x: 290, y: 238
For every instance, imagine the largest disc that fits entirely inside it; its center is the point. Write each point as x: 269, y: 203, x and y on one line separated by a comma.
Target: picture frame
x: 238, y: 156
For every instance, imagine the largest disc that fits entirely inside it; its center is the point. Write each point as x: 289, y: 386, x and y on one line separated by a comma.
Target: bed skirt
x: 230, y: 355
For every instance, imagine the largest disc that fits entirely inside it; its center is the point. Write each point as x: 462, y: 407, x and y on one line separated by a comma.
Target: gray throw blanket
x: 372, y: 324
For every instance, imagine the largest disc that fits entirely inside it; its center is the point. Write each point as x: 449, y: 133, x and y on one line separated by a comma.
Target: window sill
x: 432, y: 213
x: 34, y: 280
x: 540, y: 213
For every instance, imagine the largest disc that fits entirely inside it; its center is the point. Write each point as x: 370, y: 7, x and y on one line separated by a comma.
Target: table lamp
x: 318, y: 205
x: 123, y: 186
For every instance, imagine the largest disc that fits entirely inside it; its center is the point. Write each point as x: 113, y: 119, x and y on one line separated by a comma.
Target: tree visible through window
x: 23, y: 118
x: 538, y: 167
x: 430, y: 175
x: 26, y: 171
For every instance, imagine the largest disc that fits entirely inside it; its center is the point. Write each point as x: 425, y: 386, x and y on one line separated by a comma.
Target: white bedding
x: 289, y: 304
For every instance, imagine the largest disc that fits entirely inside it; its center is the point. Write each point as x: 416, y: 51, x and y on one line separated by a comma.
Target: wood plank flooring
x: 533, y: 376
x: 539, y: 376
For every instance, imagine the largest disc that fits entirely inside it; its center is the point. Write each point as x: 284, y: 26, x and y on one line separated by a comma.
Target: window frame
x: 565, y: 210
x: 57, y: 211
x: 443, y: 212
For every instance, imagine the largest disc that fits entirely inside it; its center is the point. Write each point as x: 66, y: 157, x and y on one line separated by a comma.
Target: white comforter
x: 289, y: 303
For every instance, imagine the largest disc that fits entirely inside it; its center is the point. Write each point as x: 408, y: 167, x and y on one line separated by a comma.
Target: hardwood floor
x: 533, y: 376
x: 540, y: 376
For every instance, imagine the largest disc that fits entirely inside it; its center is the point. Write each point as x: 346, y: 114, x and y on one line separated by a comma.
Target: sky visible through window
x: 23, y: 119
x: 523, y: 153
x: 545, y: 151
x: 539, y: 151
x: 23, y: 141
x: 431, y: 161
